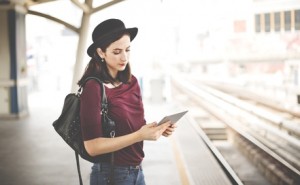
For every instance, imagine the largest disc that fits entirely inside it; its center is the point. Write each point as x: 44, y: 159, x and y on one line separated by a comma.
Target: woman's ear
x: 100, y: 52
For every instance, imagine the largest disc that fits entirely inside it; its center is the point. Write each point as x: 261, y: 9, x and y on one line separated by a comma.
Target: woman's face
x: 116, y: 55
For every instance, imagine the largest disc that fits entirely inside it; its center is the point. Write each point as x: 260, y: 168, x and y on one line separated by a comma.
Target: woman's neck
x: 114, y: 85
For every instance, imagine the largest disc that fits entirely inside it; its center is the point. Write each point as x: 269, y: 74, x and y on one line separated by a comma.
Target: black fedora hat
x: 107, y: 29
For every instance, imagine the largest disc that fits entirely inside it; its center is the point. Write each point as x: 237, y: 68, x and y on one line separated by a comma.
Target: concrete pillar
x: 13, y: 68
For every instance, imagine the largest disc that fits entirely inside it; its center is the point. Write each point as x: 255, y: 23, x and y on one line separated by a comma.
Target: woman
x: 109, y: 62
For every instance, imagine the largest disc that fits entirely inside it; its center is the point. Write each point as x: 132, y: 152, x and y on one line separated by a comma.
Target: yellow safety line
x: 179, y: 163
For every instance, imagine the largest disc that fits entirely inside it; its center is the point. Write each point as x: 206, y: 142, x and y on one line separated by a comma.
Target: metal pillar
x: 13, y: 76
x: 81, y: 51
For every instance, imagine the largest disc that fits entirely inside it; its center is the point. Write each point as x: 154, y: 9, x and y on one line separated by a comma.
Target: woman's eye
x: 118, y: 52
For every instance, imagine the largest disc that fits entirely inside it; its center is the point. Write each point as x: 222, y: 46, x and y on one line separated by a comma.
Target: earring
x: 99, y: 58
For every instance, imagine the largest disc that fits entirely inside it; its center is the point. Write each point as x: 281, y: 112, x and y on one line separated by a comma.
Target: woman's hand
x: 169, y: 130
x: 153, y: 131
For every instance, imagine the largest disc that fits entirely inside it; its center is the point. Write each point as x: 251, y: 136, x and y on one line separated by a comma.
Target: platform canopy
x: 88, y: 7
x: 13, y: 77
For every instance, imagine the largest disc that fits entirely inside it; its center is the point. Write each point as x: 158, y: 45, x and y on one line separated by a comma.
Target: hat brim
x: 132, y: 31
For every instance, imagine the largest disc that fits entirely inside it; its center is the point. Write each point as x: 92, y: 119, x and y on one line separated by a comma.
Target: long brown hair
x: 97, y: 68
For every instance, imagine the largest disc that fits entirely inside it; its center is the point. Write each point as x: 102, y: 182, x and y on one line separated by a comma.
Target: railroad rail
x: 275, y: 149
x: 282, y: 117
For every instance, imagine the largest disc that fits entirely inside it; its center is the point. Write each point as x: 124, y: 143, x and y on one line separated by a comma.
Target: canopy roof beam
x: 71, y: 27
x: 106, y: 5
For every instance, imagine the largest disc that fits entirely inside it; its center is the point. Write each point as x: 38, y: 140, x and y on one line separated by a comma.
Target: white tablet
x: 173, y: 118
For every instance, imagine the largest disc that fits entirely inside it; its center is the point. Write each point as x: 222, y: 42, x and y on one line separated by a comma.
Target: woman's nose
x: 124, y: 56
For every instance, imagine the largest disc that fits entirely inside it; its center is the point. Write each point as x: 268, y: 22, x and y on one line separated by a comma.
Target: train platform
x: 33, y: 154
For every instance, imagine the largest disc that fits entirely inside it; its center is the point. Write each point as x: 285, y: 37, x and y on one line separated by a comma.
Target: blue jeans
x: 123, y: 175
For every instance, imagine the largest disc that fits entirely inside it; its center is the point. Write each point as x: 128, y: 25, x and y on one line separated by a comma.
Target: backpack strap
x: 78, y: 168
x: 104, y: 105
x: 78, y: 94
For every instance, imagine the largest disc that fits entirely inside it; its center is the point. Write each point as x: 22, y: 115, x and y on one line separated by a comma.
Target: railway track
x: 270, y: 110
x: 258, y: 130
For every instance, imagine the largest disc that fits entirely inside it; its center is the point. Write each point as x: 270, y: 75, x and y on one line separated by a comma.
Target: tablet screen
x: 173, y: 118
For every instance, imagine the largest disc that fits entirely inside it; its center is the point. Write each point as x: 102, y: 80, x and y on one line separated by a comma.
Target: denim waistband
x: 128, y: 167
